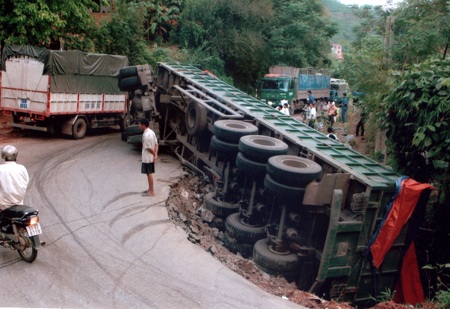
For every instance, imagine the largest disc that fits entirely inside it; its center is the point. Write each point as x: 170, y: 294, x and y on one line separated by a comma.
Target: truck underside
x: 299, y: 204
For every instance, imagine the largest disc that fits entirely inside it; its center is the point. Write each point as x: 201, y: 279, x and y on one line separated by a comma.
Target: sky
x: 363, y: 2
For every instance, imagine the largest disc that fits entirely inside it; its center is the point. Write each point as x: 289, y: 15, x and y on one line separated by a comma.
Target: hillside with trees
x: 343, y: 15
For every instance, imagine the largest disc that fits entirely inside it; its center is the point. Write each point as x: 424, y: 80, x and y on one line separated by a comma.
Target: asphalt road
x: 108, y: 246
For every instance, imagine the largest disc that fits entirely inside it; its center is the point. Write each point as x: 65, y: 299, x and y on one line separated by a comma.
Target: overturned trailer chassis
x: 313, y: 230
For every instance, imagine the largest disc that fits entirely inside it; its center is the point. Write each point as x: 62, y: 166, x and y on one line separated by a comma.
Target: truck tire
x: 133, y: 130
x: 254, y: 168
x: 124, y: 122
x: 292, y: 170
x: 79, y: 128
x: 260, y: 147
x: 219, y: 208
x: 129, y: 83
x: 224, y: 147
x: 279, y: 262
x: 195, y: 118
x: 134, y: 139
x: 127, y: 72
x: 236, y: 246
x: 240, y: 231
x: 282, y: 191
x: 232, y: 130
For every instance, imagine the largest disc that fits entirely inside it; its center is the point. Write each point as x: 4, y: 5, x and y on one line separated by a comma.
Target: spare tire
x: 195, y: 118
x: 133, y: 130
x: 232, y: 130
x: 129, y: 83
x: 127, y: 72
x: 261, y: 147
x: 292, y: 170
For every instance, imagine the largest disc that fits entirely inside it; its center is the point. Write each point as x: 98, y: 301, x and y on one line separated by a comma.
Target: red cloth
x: 409, y: 288
x: 208, y: 72
x: 400, y: 212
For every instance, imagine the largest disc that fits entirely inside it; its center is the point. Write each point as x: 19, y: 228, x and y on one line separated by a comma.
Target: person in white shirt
x: 149, y: 154
x: 13, y: 179
x: 285, y: 109
x: 331, y: 134
x: 311, y: 116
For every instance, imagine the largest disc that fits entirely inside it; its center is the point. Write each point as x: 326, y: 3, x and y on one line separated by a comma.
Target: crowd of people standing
x: 327, y: 112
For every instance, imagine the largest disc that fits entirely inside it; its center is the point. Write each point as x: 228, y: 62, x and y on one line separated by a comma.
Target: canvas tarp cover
x: 84, y: 84
x: 312, y: 82
x: 74, y: 71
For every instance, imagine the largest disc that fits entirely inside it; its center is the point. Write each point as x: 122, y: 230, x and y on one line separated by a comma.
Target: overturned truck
x: 299, y: 204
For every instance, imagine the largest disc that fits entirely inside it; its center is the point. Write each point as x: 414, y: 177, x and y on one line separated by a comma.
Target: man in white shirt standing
x: 285, y: 109
x: 311, y: 116
x: 13, y: 179
x: 149, y: 154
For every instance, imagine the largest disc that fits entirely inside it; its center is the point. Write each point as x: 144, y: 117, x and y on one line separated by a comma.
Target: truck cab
x: 276, y: 87
x: 337, y: 88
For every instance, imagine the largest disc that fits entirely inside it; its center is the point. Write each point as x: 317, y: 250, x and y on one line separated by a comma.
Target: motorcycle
x: 20, y: 230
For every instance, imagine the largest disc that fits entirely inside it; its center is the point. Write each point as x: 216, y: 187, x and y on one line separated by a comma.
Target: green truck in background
x: 338, y: 88
x: 292, y: 84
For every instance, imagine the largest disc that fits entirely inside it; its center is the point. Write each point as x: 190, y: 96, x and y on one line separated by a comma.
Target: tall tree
x: 233, y: 30
x: 421, y: 30
x: 123, y: 33
x: 38, y: 21
x: 299, y: 34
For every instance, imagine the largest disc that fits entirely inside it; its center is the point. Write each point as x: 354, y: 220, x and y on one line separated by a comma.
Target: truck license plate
x: 34, y: 230
x: 23, y: 104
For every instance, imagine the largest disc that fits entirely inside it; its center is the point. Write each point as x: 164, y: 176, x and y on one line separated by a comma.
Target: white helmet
x: 9, y: 153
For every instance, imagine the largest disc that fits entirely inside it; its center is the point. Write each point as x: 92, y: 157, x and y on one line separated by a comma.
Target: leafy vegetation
x: 123, y: 34
x: 398, y: 60
x: 36, y: 22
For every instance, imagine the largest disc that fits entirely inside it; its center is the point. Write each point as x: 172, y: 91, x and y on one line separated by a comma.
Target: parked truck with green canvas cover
x: 61, y: 91
x: 292, y: 84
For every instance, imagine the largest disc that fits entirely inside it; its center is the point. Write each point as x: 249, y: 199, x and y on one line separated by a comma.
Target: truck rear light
x: 21, y: 118
x: 7, y: 112
x: 40, y: 117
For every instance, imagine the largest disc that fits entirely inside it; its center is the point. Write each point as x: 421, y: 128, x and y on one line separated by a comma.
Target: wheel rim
x: 294, y: 163
x: 249, y: 223
x: 280, y: 250
x: 79, y: 129
x: 236, y: 126
x: 264, y: 142
x: 28, y: 251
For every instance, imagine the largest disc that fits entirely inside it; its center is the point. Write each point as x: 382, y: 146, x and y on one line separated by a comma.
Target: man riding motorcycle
x: 13, y: 179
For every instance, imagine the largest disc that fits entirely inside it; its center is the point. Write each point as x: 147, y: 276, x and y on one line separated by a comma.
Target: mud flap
x: 66, y: 127
x: 36, y: 243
